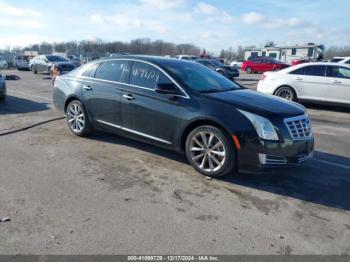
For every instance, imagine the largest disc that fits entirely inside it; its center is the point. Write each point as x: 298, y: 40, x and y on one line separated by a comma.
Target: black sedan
x: 229, y: 71
x: 181, y: 105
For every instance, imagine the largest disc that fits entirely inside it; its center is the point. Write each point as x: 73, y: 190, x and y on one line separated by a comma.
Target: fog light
x: 262, y: 159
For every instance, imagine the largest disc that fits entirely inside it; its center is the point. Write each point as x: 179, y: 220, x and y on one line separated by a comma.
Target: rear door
x: 339, y: 84
x: 311, y: 82
x: 257, y: 65
x: 101, y: 88
x: 267, y: 65
x: 145, y: 112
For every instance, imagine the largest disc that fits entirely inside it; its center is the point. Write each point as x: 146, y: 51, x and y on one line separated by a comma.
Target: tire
x: 221, y: 72
x: 2, y: 98
x: 286, y: 92
x: 201, y: 156
x: 77, y: 119
x: 276, y: 69
x: 249, y: 70
x: 34, y: 70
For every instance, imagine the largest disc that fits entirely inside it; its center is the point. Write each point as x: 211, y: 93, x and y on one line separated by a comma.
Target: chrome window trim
x: 135, y: 132
x: 136, y: 60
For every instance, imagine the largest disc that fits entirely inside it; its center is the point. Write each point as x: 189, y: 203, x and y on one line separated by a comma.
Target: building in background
x: 288, y: 54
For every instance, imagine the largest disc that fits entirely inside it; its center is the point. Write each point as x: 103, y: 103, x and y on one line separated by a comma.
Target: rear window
x: 316, y: 70
x: 112, y: 70
x: 90, y: 72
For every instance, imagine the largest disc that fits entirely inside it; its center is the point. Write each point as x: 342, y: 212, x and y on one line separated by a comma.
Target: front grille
x: 299, y: 127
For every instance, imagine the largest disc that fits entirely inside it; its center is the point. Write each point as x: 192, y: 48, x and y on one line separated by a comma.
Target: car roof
x: 292, y: 68
x: 341, y: 57
x: 156, y: 60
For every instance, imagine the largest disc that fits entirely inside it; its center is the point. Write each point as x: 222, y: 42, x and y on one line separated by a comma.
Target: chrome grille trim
x: 299, y: 127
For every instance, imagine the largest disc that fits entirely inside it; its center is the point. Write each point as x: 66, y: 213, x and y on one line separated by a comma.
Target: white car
x: 3, y: 63
x: 237, y: 63
x: 187, y: 57
x: 341, y: 59
x: 322, y: 82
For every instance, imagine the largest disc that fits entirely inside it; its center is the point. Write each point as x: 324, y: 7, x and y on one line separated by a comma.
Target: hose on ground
x: 30, y: 126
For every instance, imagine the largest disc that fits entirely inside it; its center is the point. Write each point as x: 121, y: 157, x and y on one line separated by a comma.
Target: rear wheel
x: 77, y: 119
x: 286, y: 92
x: 210, y: 151
x: 248, y: 70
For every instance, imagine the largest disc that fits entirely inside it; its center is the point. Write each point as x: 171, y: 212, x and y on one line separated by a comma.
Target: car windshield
x: 200, y: 78
x: 54, y: 58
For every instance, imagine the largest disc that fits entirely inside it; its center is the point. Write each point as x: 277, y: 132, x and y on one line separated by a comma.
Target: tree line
x: 102, y: 48
x: 147, y: 46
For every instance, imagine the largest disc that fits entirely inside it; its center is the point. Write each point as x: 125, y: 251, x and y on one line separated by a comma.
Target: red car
x: 262, y: 65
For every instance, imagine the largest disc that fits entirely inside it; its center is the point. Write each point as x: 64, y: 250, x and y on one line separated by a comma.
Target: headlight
x: 263, y: 126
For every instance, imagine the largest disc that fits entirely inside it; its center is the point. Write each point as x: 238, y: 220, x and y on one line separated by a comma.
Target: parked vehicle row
x: 228, y: 71
x: 44, y: 64
x: 187, y: 107
x: 321, y: 82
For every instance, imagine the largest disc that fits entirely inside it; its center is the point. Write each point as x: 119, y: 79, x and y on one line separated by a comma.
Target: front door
x: 339, y: 84
x: 145, y: 112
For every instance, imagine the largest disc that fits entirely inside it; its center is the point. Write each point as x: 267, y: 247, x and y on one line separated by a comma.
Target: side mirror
x: 168, y: 88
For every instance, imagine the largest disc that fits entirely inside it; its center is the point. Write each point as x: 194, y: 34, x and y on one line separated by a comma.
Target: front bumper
x: 2, y: 88
x: 258, y: 154
x: 232, y: 75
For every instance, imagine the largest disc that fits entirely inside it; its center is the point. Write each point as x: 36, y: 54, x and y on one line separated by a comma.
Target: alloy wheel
x: 286, y: 94
x: 207, y: 151
x: 76, y: 117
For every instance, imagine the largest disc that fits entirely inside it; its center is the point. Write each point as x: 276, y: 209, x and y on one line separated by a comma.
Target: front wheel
x: 77, y: 119
x: 210, y: 151
x: 249, y: 70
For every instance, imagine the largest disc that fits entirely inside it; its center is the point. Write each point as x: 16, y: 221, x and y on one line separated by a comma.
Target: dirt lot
x: 110, y: 195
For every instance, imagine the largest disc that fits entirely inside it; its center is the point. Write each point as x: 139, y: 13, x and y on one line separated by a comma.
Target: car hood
x: 258, y: 103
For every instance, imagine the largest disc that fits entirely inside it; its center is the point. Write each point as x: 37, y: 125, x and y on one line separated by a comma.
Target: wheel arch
x: 200, y: 122
x: 70, y: 99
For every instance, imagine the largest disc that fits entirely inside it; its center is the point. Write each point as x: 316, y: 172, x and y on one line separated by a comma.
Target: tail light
x: 263, y: 76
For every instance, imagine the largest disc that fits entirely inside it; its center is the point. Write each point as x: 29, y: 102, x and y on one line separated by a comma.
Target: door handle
x: 87, y: 87
x: 336, y: 82
x: 299, y: 78
x: 129, y: 97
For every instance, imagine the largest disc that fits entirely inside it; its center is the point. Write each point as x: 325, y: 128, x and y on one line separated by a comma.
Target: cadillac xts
x: 182, y: 105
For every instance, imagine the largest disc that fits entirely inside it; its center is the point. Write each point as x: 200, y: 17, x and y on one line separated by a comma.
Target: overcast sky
x: 209, y: 24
